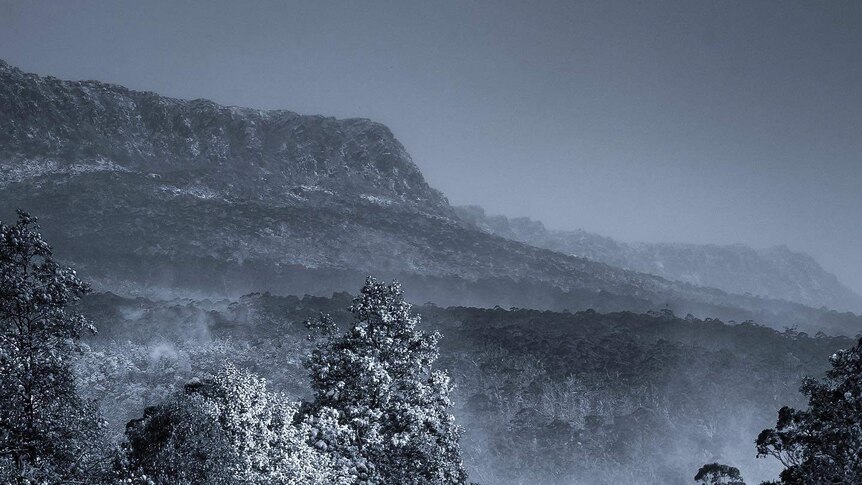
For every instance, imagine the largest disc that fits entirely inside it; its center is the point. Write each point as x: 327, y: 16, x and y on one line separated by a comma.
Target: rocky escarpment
x: 49, y: 126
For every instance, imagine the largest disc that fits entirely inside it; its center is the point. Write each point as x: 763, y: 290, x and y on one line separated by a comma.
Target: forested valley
x: 360, y: 389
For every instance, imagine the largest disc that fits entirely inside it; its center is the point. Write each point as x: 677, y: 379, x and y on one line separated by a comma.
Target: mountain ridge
x: 91, y: 126
x: 147, y: 192
x: 774, y: 272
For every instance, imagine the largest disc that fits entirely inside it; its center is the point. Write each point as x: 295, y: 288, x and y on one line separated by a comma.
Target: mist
x: 601, y: 242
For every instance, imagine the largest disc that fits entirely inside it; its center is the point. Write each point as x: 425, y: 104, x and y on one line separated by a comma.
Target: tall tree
x: 377, y: 377
x: 822, y: 444
x: 47, y: 432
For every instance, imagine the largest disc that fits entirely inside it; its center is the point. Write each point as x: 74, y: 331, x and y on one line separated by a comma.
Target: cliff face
x: 772, y: 272
x: 49, y: 126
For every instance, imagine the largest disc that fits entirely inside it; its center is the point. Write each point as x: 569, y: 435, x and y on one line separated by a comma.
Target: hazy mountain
x: 775, y: 272
x: 145, y: 194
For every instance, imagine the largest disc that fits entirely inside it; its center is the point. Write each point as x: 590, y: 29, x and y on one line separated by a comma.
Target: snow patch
x: 197, y: 191
x: 374, y: 199
x: 315, y: 188
x: 32, y: 168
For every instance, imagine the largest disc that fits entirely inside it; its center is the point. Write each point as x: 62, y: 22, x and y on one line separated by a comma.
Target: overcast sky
x: 709, y: 122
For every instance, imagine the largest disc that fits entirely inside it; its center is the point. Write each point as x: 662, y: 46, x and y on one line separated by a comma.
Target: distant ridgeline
x: 149, y: 195
x: 774, y: 272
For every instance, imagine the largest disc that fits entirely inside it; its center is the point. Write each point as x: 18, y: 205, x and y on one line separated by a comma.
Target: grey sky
x: 714, y: 121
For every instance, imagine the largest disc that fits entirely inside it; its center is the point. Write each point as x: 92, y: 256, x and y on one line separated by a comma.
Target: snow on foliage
x: 380, y: 415
x: 227, y: 429
x: 378, y: 377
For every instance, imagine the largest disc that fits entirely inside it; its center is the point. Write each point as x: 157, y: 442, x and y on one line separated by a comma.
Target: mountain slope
x: 773, y: 272
x: 149, y: 194
x: 53, y: 127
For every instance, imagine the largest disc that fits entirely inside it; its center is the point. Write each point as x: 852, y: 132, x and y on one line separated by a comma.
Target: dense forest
x: 287, y: 389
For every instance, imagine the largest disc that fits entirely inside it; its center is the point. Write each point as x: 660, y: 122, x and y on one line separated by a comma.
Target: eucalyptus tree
x: 822, y: 444
x: 48, y: 434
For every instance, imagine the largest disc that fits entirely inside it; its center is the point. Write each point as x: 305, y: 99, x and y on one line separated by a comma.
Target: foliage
x: 226, y: 429
x: 544, y: 397
x: 718, y: 474
x: 822, y: 444
x: 47, y: 432
x: 378, y: 377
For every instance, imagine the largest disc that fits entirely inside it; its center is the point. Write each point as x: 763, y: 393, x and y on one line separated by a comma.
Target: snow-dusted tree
x: 718, y: 474
x: 48, y: 434
x: 822, y: 444
x: 227, y: 429
x: 378, y: 378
